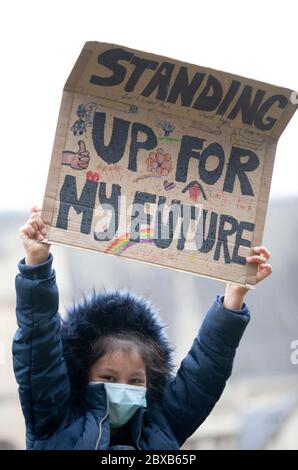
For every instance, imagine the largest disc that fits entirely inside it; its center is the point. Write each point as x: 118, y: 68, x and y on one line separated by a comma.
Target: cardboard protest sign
x: 162, y: 161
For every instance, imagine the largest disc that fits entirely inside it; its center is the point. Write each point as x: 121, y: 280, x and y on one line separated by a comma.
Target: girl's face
x: 119, y: 367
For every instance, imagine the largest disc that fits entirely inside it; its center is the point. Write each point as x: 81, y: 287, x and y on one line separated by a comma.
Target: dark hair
x: 153, y: 356
x: 98, y: 322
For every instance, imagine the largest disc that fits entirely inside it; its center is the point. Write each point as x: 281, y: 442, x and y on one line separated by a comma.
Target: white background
x: 40, y: 41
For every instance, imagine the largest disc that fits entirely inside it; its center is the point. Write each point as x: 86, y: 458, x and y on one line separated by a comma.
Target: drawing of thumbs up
x: 76, y: 160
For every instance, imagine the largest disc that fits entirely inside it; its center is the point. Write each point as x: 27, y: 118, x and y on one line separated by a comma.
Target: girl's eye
x: 136, y: 382
x: 109, y: 378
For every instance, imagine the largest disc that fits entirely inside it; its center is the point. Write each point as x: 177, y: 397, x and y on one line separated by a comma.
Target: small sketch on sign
x: 85, y: 113
x: 76, y: 160
x: 122, y: 243
x: 168, y: 185
x: 194, y: 189
x: 159, y: 162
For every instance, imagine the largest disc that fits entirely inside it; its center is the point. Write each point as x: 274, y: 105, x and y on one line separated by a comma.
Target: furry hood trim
x: 106, y: 313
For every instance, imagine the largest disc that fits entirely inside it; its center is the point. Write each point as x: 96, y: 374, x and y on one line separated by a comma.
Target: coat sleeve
x: 39, y: 367
x: 190, y: 396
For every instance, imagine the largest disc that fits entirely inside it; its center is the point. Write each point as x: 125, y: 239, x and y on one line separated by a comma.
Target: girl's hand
x: 261, y: 256
x: 234, y: 294
x: 31, y: 233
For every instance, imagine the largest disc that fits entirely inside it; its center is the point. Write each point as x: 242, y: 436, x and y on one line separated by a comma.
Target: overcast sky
x: 40, y: 41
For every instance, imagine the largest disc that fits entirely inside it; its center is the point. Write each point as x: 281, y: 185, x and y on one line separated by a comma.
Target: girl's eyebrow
x: 113, y: 371
x: 107, y: 370
x: 139, y: 372
x: 138, y: 375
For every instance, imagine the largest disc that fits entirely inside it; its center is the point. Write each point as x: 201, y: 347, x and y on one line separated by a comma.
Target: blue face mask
x: 124, y: 400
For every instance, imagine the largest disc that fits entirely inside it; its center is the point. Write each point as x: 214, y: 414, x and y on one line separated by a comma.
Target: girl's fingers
x: 39, y: 232
x: 27, y: 230
x: 34, y: 225
x: 264, y: 270
x: 35, y: 215
x: 35, y: 209
x: 261, y: 257
x: 256, y: 259
x: 266, y: 267
x: 38, y: 224
x: 35, y: 218
x: 262, y: 250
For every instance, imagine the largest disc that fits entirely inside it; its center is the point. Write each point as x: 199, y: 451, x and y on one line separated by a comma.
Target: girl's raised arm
x: 201, y: 378
x: 39, y: 366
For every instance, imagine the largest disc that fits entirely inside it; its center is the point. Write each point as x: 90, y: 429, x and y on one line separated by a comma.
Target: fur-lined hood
x: 109, y: 312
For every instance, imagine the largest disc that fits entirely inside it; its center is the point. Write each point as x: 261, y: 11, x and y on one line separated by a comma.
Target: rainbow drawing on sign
x: 122, y: 243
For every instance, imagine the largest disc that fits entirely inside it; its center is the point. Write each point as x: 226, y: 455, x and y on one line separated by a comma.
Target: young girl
x: 101, y: 378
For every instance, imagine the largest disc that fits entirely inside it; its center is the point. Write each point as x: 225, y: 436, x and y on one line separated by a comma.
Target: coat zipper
x: 100, y: 428
x: 100, y: 424
x: 139, y: 436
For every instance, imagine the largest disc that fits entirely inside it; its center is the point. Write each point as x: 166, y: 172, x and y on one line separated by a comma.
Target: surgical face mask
x: 124, y: 400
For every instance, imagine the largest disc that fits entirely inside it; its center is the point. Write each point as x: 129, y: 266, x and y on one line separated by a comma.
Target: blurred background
x: 40, y: 42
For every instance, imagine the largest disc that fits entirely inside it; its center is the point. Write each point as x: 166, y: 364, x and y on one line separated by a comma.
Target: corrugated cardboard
x: 164, y: 162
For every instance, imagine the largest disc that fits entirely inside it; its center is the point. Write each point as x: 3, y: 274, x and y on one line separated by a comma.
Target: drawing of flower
x: 159, y: 162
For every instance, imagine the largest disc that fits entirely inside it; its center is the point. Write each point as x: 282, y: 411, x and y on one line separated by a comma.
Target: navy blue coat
x: 45, y: 388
